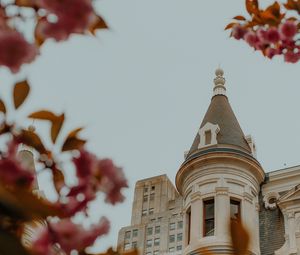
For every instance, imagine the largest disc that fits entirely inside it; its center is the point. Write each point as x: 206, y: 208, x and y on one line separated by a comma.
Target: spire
x: 219, y: 81
x: 220, y: 127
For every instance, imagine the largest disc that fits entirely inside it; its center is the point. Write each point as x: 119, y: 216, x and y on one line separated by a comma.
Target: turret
x: 219, y: 180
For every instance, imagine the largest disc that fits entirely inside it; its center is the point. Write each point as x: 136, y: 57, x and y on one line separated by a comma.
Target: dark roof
x: 220, y: 112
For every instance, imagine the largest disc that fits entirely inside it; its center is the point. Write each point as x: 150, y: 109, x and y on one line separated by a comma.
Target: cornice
x: 215, y: 155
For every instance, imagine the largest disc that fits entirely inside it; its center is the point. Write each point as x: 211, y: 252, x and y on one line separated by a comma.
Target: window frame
x: 209, y: 201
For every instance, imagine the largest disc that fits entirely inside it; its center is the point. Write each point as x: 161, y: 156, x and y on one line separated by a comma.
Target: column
x: 196, y: 217
x: 291, y: 233
x: 222, y: 213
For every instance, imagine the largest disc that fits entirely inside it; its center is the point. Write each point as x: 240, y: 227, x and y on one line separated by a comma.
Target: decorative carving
x: 270, y: 200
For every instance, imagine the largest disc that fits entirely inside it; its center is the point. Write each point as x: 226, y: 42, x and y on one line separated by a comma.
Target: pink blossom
x: 42, y: 244
x: 238, y: 32
x: 73, y: 16
x: 71, y: 236
x: 84, y: 164
x: 12, y: 172
x: 291, y: 57
x: 262, y: 35
x: 288, y: 30
x: 112, y: 180
x: 273, y: 35
x: 271, y: 52
x: 252, y: 39
x: 15, y: 50
x: 68, y: 235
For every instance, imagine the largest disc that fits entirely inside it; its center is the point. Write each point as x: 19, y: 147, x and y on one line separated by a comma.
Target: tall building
x: 219, y: 181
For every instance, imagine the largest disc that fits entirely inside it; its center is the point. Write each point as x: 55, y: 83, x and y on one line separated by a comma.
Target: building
x: 220, y: 180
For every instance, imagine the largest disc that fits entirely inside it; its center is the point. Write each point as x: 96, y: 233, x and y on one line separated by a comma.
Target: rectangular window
x: 144, y: 212
x: 149, y: 231
x: 179, y: 224
x: 209, y: 217
x: 151, y: 211
x: 171, y: 238
x: 145, y: 189
x: 149, y: 243
x: 153, y: 188
x: 156, y: 241
x: 179, y: 247
x: 127, y: 234
x: 134, y: 245
x: 171, y: 249
x: 135, y: 233
x: 179, y: 237
x: 157, y: 229
x: 207, y: 137
x: 235, y: 210
x: 172, y: 226
x: 145, y: 199
x: 152, y: 197
x: 127, y: 246
x: 189, y: 226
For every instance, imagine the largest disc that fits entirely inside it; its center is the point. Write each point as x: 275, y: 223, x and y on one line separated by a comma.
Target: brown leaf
x: 98, y: 24
x: 43, y: 115
x: 23, y: 205
x: 58, y: 179
x: 230, y: 25
x: 33, y: 140
x: 56, y: 127
x: 39, y: 38
x: 2, y: 106
x: 56, y: 121
x: 72, y: 142
x: 10, y: 244
x: 252, y: 6
x: 20, y: 93
x: 240, y: 237
x: 239, y: 17
x: 26, y: 3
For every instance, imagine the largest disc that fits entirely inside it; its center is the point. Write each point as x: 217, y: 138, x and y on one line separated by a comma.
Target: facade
x: 219, y: 181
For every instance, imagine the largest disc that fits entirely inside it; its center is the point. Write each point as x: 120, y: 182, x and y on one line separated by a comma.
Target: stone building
x: 220, y: 180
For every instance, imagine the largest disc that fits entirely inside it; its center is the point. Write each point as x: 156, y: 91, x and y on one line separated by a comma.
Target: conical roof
x: 220, y: 113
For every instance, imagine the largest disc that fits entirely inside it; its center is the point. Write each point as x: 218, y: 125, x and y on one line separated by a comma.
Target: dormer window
x: 208, y: 135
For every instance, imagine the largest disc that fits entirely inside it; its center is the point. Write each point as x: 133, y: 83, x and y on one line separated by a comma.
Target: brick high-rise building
x: 220, y: 180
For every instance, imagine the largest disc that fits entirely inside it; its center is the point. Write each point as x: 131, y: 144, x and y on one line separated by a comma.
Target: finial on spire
x: 219, y: 81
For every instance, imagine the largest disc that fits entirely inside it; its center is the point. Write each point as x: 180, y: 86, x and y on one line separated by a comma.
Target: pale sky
x: 142, y: 88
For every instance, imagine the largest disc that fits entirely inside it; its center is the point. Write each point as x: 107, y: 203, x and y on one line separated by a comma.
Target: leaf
x: 20, y: 93
x: 72, y: 142
x: 252, y: 6
x: 5, y: 128
x: 240, y: 237
x: 26, y: 3
x: 56, y: 121
x: 230, y: 25
x: 10, y: 244
x: 58, y: 179
x: 43, y: 115
x: 56, y: 127
x: 98, y: 24
x: 239, y: 17
x: 21, y: 204
x: 2, y: 107
x: 39, y: 38
x: 33, y: 140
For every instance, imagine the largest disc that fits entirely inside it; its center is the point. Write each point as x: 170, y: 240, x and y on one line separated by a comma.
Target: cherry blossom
x: 68, y: 236
x: 288, y: 30
x: 238, y: 32
x: 12, y: 172
x: 15, y: 50
x: 72, y: 16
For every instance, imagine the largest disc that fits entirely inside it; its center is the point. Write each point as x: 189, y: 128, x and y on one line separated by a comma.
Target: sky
x: 142, y: 88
